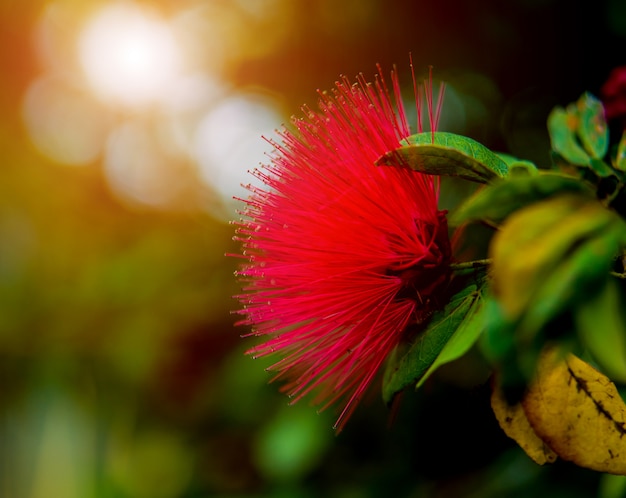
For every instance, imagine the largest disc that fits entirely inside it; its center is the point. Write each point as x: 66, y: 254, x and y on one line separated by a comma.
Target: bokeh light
x: 137, y: 167
x: 227, y: 141
x: 63, y: 122
x: 147, y: 96
x: 130, y: 56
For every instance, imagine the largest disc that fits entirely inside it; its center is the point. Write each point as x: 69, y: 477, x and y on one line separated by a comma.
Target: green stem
x: 610, y: 198
x: 466, y: 265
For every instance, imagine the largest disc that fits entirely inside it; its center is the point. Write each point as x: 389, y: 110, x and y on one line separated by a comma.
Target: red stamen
x: 341, y: 255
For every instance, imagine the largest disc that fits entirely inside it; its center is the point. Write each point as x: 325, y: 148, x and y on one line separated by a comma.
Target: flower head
x: 341, y: 255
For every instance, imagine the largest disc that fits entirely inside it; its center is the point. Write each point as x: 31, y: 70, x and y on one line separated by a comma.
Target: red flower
x: 342, y: 255
x: 614, y: 94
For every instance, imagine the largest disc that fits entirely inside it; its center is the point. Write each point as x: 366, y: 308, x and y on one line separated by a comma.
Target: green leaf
x: 573, y: 280
x: 518, y: 166
x: 499, y: 200
x: 612, y: 486
x: 592, y: 128
x: 601, y: 322
x: 447, y: 154
x: 620, y: 158
x: 500, y: 346
x: 562, y: 126
x: 523, y: 168
x: 410, y: 362
x: 600, y: 168
x: 546, y: 259
x: 534, y: 240
x: 498, y: 340
x: 463, y: 339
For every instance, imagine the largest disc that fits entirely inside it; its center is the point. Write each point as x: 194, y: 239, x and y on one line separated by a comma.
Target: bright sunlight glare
x: 129, y: 55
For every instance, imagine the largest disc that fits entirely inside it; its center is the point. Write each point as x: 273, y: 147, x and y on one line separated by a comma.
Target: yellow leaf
x: 534, y: 240
x: 515, y: 424
x: 578, y: 412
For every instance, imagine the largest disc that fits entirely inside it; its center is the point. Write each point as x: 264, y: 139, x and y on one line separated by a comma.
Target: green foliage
x: 569, y: 281
x: 462, y: 340
x: 592, y: 128
x: 497, y: 201
x: 291, y: 444
x: 536, y: 239
x: 517, y: 166
x: 447, y: 154
x: 556, y: 275
x: 579, y: 133
x: 546, y: 258
x: 612, y: 486
x: 448, y: 335
x: 562, y: 128
x: 601, y: 322
x: 580, y: 137
x: 619, y: 162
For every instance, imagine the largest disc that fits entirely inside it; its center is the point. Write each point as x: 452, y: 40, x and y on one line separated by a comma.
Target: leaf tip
x: 391, y: 158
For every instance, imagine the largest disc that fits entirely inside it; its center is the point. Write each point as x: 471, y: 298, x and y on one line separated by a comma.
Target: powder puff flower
x: 341, y: 256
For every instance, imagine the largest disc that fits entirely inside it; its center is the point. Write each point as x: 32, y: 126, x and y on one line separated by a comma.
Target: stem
x: 477, y: 263
x: 615, y: 193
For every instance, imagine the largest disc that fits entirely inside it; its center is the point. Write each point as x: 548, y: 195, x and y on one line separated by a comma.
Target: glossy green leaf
x: 410, y: 362
x: 562, y: 126
x: 592, y: 128
x: 447, y: 154
x: 463, y: 338
x: 499, y: 200
x: 620, y: 158
x: 601, y: 322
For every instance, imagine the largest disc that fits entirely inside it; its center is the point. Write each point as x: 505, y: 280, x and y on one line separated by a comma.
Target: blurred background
x: 126, y: 129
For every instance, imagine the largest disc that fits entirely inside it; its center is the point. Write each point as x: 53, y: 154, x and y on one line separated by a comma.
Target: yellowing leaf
x: 620, y: 157
x: 534, y: 239
x: 515, y: 424
x: 585, y: 267
x: 578, y: 412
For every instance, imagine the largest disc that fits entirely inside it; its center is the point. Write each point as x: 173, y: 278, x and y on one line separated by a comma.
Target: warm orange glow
x: 64, y: 124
